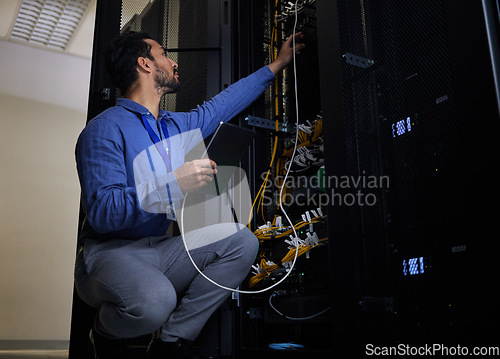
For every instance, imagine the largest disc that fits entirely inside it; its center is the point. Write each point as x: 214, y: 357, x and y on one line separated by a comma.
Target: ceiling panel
x: 8, y: 11
x: 59, y: 25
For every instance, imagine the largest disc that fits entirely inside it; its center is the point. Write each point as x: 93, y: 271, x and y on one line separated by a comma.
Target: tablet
x: 228, y: 144
x: 226, y: 148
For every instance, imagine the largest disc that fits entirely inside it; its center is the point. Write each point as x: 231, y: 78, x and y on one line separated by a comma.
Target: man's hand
x: 195, y: 174
x: 285, y: 55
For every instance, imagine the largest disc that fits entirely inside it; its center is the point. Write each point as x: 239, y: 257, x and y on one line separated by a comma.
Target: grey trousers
x: 143, y: 285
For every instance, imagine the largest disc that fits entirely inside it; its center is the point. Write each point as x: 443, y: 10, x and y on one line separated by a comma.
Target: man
x: 139, y: 278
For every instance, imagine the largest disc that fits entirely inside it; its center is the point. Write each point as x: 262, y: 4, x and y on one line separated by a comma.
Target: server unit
x: 413, y: 111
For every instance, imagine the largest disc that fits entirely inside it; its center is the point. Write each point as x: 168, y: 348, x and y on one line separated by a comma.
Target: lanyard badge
x: 164, y: 152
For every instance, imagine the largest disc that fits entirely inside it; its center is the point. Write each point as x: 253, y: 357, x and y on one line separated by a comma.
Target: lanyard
x: 164, y: 153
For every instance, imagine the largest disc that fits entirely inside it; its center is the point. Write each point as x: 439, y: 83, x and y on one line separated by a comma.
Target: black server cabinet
x: 411, y: 113
x: 293, y: 319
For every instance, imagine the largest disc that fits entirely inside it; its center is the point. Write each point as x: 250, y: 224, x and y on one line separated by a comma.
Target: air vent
x: 48, y: 23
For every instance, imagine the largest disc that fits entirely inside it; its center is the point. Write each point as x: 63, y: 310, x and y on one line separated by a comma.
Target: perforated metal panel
x: 131, y: 14
x: 188, y: 33
x: 410, y: 78
x: 401, y: 124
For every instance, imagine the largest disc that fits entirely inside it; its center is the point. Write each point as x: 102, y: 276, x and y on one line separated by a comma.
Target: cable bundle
x: 297, y: 246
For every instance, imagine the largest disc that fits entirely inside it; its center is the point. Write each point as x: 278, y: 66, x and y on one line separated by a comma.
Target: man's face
x: 166, y: 76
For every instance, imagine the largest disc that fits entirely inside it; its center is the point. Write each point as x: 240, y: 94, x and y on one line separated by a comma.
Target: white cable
x: 281, y: 206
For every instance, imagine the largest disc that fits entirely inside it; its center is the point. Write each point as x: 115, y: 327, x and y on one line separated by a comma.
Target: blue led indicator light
x: 413, y: 266
x: 401, y: 127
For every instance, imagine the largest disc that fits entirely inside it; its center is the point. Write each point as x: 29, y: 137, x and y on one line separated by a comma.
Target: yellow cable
x: 287, y: 258
x: 264, y: 184
x: 318, y: 129
x: 263, y: 234
x: 259, y: 198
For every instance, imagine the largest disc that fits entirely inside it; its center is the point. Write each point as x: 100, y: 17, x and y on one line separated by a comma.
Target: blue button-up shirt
x: 110, y: 142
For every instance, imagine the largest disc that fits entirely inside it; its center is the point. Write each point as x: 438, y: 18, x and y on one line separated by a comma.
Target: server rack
x: 406, y: 96
x: 294, y: 318
x: 403, y: 80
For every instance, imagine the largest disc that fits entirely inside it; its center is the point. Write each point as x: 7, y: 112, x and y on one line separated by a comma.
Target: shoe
x: 105, y: 348
x: 171, y: 350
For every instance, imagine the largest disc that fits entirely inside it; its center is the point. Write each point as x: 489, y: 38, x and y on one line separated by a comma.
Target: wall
x: 42, y: 111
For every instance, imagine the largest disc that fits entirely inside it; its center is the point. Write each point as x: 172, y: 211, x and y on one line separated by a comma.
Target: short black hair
x: 121, y: 58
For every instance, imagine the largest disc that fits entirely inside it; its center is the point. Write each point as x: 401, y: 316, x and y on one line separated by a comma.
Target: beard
x: 166, y: 83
